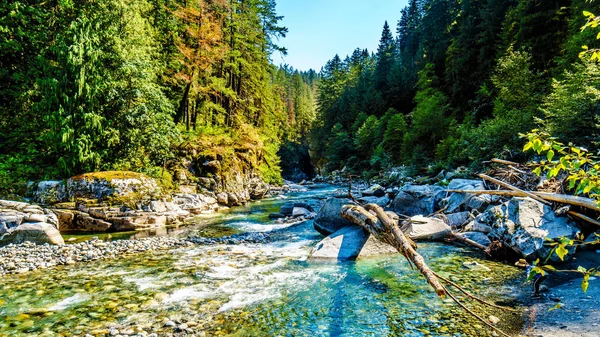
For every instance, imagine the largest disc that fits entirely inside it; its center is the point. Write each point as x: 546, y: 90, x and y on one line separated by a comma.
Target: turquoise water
x: 267, y: 289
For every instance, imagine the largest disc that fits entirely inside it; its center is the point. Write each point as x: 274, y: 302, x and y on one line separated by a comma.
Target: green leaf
x: 581, y: 269
x: 527, y: 146
x: 561, y: 251
x: 557, y: 306
x: 537, y: 171
x: 585, y: 283
x: 550, y: 155
x: 588, y: 14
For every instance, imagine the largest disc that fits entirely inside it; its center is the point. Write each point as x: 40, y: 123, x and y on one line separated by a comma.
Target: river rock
x: 422, y: 228
x: 523, y: 224
x: 118, y: 185
x: 287, y: 209
x: 458, y: 202
x: 301, y: 211
x: 348, y: 243
x: 223, y: 198
x: 478, y: 237
x: 50, y: 192
x: 417, y: 199
x: 374, y: 191
x: 379, y: 201
x: 35, y: 232
x: 457, y: 220
x: 329, y: 218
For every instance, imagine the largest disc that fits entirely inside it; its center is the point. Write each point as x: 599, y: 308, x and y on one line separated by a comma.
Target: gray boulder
x: 349, y: 243
x: 287, y: 209
x: 379, y: 201
x: 523, y: 224
x: 417, y: 199
x: 374, y: 191
x: 422, y: 228
x: 457, y: 220
x: 50, y: 192
x: 458, y: 202
x: 478, y: 237
x: 35, y: 232
x: 329, y: 218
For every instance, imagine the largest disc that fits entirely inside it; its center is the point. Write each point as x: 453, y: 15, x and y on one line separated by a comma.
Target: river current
x: 257, y: 289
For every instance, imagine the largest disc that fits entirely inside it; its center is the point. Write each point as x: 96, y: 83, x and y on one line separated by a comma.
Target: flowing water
x: 258, y: 289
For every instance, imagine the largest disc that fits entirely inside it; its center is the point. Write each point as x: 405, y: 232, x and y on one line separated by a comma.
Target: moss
x: 110, y: 175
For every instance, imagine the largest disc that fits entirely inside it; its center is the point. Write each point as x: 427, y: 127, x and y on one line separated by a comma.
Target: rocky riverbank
x: 25, y: 257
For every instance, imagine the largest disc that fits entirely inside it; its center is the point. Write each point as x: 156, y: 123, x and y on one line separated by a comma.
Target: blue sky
x: 319, y: 29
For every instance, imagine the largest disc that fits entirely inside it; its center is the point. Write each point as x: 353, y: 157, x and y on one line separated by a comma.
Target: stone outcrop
x: 349, y: 243
x: 329, y: 218
x: 118, y: 186
x: 523, y: 224
x: 21, y: 222
x: 417, y: 199
x: 458, y: 202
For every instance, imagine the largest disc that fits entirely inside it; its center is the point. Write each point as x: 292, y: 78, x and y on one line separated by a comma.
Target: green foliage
x: 571, y: 109
x: 582, y: 167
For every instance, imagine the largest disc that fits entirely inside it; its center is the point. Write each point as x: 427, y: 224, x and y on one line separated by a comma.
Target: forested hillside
x: 457, y: 84
x: 141, y: 84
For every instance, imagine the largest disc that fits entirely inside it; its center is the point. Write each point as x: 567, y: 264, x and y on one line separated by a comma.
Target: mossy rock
x: 116, y: 187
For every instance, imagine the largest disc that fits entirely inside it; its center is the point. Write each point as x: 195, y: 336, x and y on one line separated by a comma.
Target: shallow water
x: 266, y: 289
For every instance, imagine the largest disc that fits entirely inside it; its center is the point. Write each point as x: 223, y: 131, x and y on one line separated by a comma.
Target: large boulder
x: 329, y: 218
x: 458, y: 202
x: 119, y: 186
x: 50, y: 192
x: 417, y: 199
x: 422, y: 228
x: 35, y: 232
x: 523, y: 224
x: 349, y: 243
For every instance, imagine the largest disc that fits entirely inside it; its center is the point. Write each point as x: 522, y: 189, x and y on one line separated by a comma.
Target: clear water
x: 265, y: 289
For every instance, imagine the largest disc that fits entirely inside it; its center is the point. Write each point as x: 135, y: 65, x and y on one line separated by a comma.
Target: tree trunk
x: 387, y: 231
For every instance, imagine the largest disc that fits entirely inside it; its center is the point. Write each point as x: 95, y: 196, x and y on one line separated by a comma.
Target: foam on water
x: 143, y: 283
x: 69, y: 301
x: 184, y: 294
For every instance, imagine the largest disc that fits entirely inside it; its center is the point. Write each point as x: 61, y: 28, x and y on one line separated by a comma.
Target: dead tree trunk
x: 387, y: 231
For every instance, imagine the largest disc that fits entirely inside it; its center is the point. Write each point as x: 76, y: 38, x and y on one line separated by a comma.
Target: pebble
x: 25, y: 257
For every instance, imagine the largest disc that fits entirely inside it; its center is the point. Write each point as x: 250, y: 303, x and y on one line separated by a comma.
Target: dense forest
x: 140, y: 84
x: 457, y: 84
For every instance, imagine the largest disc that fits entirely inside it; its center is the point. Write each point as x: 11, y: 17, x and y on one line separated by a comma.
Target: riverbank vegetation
x: 457, y: 85
x: 129, y: 85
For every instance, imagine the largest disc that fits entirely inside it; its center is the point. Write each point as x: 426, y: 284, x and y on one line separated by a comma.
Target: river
x: 256, y: 289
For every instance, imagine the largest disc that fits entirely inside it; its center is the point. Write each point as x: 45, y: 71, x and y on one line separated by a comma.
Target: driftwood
x: 538, y: 198
x: 387, y: 231
x: 510, y: 187
x: 376, y: 221
x: 464, y: 239
x: 560, y: 198
x: 504, y: 162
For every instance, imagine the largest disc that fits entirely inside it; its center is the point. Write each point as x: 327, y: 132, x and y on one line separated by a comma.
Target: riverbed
x: 255, y: 288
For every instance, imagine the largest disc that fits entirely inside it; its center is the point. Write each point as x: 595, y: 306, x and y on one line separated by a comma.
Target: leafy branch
x: 582, y: 167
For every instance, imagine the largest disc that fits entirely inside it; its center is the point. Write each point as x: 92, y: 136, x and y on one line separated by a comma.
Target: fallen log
x: 504, y: 162
x: 553, y: 197
x: 512, y: 188
x: 387, y: 231
x: 463, y: 239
